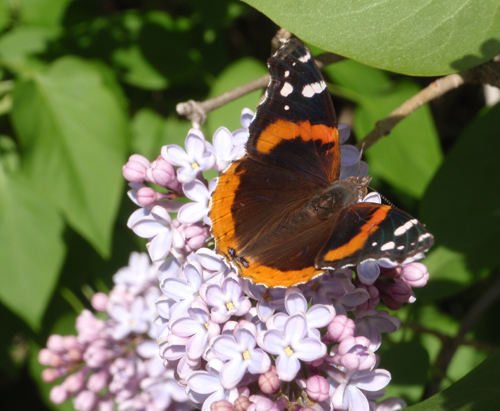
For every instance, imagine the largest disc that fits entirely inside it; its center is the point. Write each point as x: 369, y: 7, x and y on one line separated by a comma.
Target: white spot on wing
x: 310, y: 90
x: 388, y: 246
x: 287, y: 108
x: 286, y: 90
x: 400, y: 247
x: 374, y: 244
x: 306, y: 57
x: 423, y: 237
x: 287, y: 73
x: 405, y: 227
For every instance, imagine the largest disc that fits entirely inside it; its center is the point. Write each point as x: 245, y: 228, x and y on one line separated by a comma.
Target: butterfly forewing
x: 295, y: 126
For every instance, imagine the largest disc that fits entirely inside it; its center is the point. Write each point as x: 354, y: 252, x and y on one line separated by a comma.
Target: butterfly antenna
x: 359, y: 158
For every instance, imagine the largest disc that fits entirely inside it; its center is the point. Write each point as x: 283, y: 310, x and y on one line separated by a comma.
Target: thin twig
x: 487, y: 73
x: 435, y: 89
x: 197, y: 111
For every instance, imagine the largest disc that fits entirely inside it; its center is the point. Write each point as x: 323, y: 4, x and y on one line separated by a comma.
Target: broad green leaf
x: 408, y: 364
x: 151, y: 131
x: 464, y: 360
x: 4, y: 13
x: 74, y: 136
x: 146, y: 129
x: 238, y: 73
x: 478, y: 390
x: 410, y: 155
x: 448, y: 272
x: 43, y: 12
x: 461, y: 205
x: 18, y: 46
x: 32, y: 249
x: 174, y: 131
x: 415, y: 37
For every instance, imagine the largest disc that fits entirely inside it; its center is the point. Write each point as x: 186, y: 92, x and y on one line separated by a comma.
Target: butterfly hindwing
x: 295, y: 126
x: 368, y: 231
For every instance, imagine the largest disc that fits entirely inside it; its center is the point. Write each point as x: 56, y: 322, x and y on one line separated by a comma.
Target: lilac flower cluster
x: 114, y: 358
x: 227, y: 344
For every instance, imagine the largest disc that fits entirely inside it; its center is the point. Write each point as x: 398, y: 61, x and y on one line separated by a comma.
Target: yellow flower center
x: 288, y: 351
x: 315, y: 286
x: 206, y: 326
x: 267, y: 296
x: 230, y: 306
x: 195, y: 165
x: 246, y: 355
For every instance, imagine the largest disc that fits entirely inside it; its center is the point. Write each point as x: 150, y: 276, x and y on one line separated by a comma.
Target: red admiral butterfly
x: 280, y: 214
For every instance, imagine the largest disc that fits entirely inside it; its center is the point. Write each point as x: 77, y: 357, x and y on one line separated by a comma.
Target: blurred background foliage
x: 85, y: 83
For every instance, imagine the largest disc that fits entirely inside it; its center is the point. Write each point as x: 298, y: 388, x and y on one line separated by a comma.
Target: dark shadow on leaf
x: 489, y: 49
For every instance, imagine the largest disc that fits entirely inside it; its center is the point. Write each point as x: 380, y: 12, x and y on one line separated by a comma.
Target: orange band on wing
x: 280, y: 130
x: 359, y: 240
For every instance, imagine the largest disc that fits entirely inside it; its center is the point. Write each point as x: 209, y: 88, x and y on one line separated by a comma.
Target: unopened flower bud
x: 161, y: 172
x: 341, y: 327
x: 58, y: 394
x: 195, y: 236
x: 99, y: 301
x: 55, y: 343
x: 269, y: 382
x: 98, y: 380
x: 317, y: 388
x: 50, y: 375
x: 221, y: 405
x: 135, y: 169
x: 86, y: 401
x: 415, y: 274
x: 241, y: 403
x: 75, y: 382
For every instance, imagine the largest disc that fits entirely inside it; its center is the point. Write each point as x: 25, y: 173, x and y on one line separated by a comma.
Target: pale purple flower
x: 194, y: 160
x: 204, y: 387
x: 222, y: 148
x: 197, y: 209
x: 183, y: 291
x: 227, y: 300
x: 213, y: 264
x: 129, y: 320
x: 317, y: 316
x: 389, y: 404
x: 368, y: 272
x: 156, y: 226
x: 372, y: 323
x: 322, y: 289
x: 350, y: 387
x: 138, y: 275
x: 268, y: 299
x: 241, y: 355
x: 198, y: 327
x: 353, y: 353
x: 292, y: 345
x: 162, y: 391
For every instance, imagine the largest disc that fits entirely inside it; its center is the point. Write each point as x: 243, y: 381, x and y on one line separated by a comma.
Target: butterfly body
x: 280, y: 215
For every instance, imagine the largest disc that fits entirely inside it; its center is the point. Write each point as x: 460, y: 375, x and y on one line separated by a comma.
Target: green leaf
x: 415, y: 37
x: 146, y: 129
x: 410, y: 155
x: 43, y: 12
x: 408, y: 364
x: 18, y: 46
x: 449, y: 274
x: 237, y: 74
x: 74, y: 136
x: 464, y: 360
x: 151, y: 131
x: 32, y: 250
x: 478, y: 390
x: 461, y: 205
